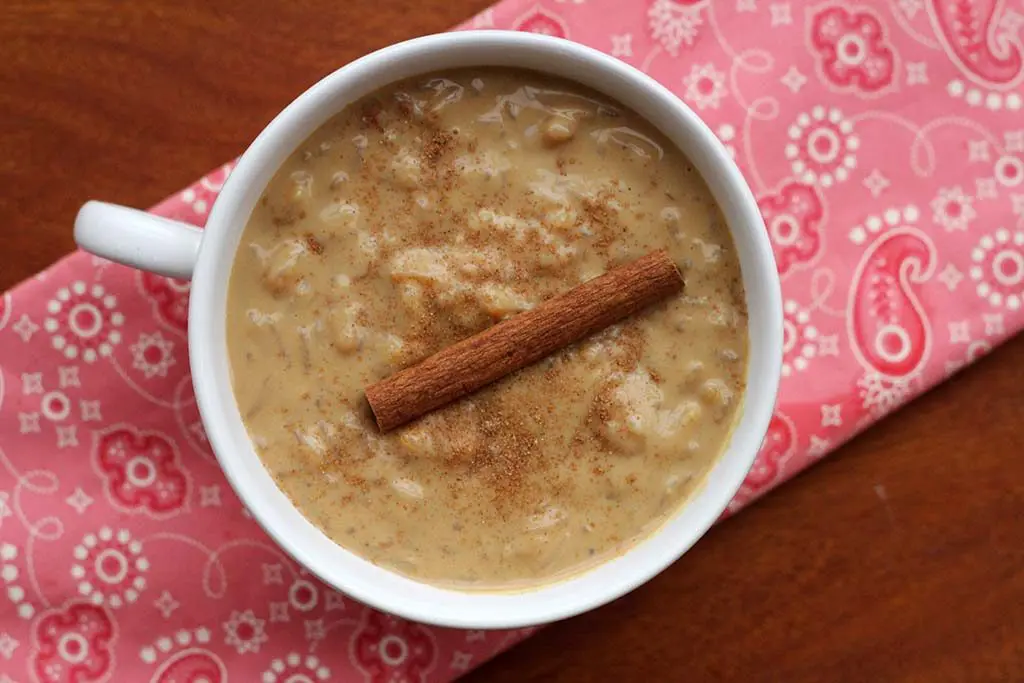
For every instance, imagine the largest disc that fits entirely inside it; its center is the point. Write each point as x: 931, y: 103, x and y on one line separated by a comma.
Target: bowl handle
x: 138, y: 239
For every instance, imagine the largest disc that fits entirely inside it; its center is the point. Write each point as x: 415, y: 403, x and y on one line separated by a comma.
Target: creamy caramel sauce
x: 427, y: 212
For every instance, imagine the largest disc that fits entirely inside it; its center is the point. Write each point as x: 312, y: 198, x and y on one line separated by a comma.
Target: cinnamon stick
x: 512, y: 344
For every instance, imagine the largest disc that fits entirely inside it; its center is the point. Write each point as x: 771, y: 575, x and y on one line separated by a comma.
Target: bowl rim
x: 346, y: 571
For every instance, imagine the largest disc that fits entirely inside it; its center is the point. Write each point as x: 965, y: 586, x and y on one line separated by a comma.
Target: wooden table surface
x: 899, y: 558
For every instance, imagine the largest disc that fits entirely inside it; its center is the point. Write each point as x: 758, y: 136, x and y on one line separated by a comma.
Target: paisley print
x: 888, y: 326
x: 543, y: 21
x: 192, y: 666
x: 775, y: 453
x: 967, y: 29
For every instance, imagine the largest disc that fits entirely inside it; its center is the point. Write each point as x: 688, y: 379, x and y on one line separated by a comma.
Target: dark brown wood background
x: 899, y: 558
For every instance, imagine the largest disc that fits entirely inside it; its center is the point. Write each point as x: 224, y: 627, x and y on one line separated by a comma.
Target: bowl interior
x: 211, y: 374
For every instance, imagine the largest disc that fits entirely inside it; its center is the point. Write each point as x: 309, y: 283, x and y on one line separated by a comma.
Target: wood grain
x: 900, y: 558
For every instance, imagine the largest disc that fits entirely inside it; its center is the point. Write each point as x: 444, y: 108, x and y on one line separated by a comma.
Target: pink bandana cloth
x: 885, y: 144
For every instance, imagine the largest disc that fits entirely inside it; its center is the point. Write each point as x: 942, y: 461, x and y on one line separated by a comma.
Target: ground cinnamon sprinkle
x: 371, y: 115
x: 356, y: 481
x: 437, y: 144
x: 596, y: 210
x: 510, y: 455
x: 631, y: 343
x: 314, y: 244
x: 438, y: 247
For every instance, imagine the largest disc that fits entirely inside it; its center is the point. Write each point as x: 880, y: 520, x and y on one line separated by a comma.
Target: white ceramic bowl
x: 144, y: 241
